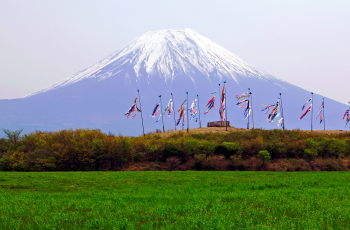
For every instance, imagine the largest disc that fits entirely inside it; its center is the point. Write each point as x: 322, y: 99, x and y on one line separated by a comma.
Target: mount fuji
x: 160, y: 63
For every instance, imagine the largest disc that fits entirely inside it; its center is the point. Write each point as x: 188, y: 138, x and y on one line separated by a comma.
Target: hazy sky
x: 306, y: 43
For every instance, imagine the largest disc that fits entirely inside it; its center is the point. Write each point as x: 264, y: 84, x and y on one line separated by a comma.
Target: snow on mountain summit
x: 168, y: 53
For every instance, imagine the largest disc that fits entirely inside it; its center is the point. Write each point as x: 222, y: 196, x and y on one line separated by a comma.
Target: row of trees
x: 84, y: 149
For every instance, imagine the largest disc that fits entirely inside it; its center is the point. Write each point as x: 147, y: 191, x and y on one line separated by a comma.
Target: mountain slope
x: 159, y: 63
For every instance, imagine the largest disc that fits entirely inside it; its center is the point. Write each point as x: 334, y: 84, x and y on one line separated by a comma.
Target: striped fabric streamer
x: 305, y: 104
x: 307, y: 110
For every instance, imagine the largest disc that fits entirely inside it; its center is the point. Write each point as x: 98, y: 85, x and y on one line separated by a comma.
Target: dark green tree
x: 13, y: 136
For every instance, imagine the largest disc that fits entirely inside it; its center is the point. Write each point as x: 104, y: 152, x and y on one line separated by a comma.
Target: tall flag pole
x: 324, y: 120
x: 249, y: 103
x: 161, y: 109
x: 282, y: 110
x: 174, y: 110
x: 199, y: 110
x: 188, y: 123
x: 225, y: 105
x: 348, y: 118
x: 312, y: 108
x: 219, y: 93
x: 143, y: 128
x: 349, y: 109
x: 219, y: 97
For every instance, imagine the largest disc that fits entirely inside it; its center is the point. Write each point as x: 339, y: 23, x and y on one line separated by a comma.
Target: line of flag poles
x: 244, y: 100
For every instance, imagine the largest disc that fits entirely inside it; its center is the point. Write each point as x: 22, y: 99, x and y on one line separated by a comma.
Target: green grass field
x: 174, y: 200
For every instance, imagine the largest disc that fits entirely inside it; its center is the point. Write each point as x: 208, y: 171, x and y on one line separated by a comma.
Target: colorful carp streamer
x: 160, y: 115
x: 222, y: 105
x: 305, y: 104
x: 347, y: 115
x: 169, y: 108
x: 280, y: 122
x: 320, y: 113
x: 193, y: 109
x: 156, y: 111
x: 181, y: 105
x: 210, y: 104
x: 244, y: 102
x: 182, y: 115
x: 247, y: 108
x: 267, y: 108
x: 274, y: 112
x: 132, y: 109
x: 307, y: 110
x: 240, y: 96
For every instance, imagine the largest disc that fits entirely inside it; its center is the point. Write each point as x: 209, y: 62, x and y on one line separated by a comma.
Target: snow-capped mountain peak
x: 168, y: 53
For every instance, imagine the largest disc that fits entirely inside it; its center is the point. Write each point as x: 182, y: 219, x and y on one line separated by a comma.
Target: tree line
x: 87, y: 150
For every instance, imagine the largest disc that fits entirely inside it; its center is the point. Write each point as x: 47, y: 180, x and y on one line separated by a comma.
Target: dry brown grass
x: 230, y: 129
x: 202, y: 130
x: 328, y: 131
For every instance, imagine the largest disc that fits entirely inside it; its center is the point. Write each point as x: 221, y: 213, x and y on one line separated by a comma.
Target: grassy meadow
x: 174, y: 200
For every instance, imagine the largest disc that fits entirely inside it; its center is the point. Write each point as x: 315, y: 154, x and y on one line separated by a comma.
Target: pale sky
x: 306, y: 43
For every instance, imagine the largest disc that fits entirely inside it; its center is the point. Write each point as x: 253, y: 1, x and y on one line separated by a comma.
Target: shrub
x: 207, y: 148
x: 276, y: 148
x: 126, y: 150
x: 172, y: 152
x: 221, y: 150
x: 173, y: 162
x: 295, y: 149
x: 18, y: 161
x: 331, y: 147
x: 5, y: 162
x: 229, y: 149
x: 3, y: 146
x: 310, y: 153
x: 250, y: 148
x: 264, y: 156
x: 201, y: 162
x: 192, y: 147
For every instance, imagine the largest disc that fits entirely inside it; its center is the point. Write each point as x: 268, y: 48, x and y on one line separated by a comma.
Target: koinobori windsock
x: 267, y: 108
x: 307, y: 110
x: 347, y: 115
x: 302, y: 108
x: 240, y: 96
x: 320, y: 113
x: 280, y: 122
x: 222, y: 105
x: 182, y: 115
x: 210, y: 104
x: 169, y: 108
x: 156, y: 110
x: 132, y: 109
x: 193, y: 109
x: 274, y: 112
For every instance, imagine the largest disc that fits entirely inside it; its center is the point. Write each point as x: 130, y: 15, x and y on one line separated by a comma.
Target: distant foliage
x: 87, y: 150
x: 264, y: 156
